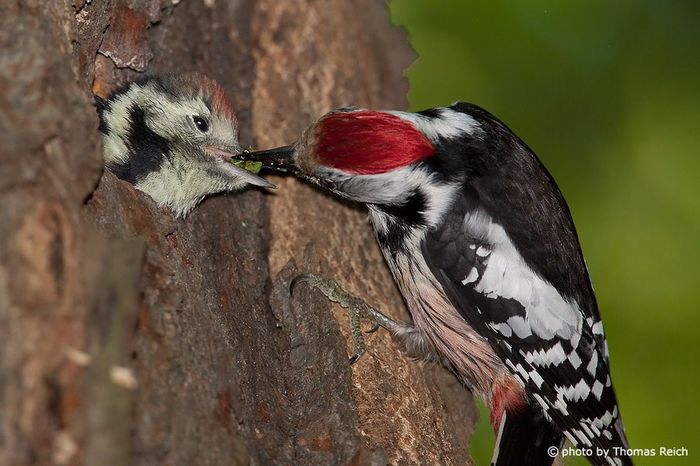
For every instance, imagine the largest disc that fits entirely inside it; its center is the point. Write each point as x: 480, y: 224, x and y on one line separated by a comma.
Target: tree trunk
x: 132, y: 337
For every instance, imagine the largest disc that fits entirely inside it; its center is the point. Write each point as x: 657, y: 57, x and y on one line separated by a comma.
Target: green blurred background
x: 608, y: 96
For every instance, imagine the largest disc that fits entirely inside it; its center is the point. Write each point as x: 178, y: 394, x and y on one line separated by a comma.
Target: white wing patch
x: 502, y: 274
x: 520, y: 326
x: 502, y: 328
x: 548, y: 314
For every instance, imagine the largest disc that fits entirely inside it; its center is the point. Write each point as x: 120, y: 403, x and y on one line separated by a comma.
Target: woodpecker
x: 483, y: 248
x: 173, y: 137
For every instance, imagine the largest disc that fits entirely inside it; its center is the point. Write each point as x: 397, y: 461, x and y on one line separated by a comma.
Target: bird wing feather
x: 547, y: 341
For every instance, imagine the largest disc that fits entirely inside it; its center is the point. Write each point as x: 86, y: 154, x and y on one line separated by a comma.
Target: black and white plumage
x: 172, y: 137
x: 483, y: 248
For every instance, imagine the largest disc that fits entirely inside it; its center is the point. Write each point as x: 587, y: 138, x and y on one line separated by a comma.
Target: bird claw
x: 355, y: 306
x: 302, y: 278
x: 355, y: 357
x: 374, y: 328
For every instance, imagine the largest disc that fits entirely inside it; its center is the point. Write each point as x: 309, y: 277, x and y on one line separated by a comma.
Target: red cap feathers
x: 366, y: 142
x: 220, y: 103
x: 211, y: 91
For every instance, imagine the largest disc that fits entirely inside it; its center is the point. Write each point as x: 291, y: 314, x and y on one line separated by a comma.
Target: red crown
x: 367, y: 142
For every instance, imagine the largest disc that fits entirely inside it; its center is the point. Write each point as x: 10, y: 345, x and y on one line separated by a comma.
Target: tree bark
x: 132, y: 337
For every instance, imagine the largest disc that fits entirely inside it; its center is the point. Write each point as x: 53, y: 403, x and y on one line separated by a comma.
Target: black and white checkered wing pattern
x: 546, y: 340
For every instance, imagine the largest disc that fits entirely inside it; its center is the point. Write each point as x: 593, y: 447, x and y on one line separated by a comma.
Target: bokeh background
x: 608, y: 96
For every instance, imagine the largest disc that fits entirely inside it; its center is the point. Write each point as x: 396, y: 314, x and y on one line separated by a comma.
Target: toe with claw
x: 355, y: 306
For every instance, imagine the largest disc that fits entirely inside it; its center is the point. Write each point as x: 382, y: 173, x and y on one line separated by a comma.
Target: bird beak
x: 280, y: 159
x: 224, y: 165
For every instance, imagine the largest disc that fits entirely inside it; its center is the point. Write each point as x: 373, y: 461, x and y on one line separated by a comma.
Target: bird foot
x: 355, y: 306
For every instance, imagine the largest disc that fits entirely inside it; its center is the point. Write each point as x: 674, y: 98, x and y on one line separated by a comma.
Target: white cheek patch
x: 394, y: 188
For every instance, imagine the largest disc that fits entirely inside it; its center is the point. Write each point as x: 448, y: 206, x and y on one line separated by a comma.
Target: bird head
x: 379, y: 157
x: 173, y: 137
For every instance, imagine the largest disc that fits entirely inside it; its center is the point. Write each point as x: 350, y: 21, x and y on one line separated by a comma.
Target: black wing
x: 547, y: 340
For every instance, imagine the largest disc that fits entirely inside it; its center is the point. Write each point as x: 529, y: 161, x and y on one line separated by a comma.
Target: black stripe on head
x: 147, y: 150
x: 430, y: 113
x: 102, y: 106
x: 401, y: 218
x: 454, y: 156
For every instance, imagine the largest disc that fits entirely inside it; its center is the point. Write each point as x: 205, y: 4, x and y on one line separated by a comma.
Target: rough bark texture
x: 130, y: 337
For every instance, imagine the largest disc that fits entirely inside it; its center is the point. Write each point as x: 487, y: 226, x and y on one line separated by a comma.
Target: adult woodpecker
x: 483, y: 248
x: 173, y: 137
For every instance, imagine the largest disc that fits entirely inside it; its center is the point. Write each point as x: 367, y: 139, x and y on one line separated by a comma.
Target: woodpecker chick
x: 481, y: 243
x: 173, y: 138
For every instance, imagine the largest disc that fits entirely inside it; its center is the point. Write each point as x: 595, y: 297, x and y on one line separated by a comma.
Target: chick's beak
x: 223, y: 164
x: 280, y: 159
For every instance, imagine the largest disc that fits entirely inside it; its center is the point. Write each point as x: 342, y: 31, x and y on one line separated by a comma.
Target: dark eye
x: 201, y: 123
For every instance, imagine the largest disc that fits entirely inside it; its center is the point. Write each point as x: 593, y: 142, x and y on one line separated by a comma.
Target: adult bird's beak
x: 280, y: 159
x: 225, y: 166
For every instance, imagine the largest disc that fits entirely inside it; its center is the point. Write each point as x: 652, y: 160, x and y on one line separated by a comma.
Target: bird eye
x: 201, y: 123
